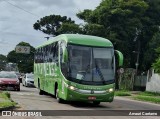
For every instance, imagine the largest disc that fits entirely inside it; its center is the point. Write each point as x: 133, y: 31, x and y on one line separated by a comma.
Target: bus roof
x: 80, y: 40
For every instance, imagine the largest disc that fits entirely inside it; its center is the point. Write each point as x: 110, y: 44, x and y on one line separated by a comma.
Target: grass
x: 142, y: 96
x: 147, y: 98
x: 122, y: 93
x: 5, y: 95
x: 7, y: 104
x: 149, y: 94
x: 5, y: 100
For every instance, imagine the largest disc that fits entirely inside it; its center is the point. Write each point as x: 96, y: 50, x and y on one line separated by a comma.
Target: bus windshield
x: 91, y: 65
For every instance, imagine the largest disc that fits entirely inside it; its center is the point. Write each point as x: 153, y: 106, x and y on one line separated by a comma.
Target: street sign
x: 121, y: 70
x: 23, y: 49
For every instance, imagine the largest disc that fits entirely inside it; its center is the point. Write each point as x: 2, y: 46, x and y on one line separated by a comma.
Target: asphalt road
x: 29, y: 99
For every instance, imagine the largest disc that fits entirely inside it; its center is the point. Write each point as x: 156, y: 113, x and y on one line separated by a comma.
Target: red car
x: 9, y: 81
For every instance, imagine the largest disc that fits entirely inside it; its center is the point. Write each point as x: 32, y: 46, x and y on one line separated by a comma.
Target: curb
x: 7, y: 108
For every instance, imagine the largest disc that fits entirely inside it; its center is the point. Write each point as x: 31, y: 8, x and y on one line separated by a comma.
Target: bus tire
x: 96, y: 103
x: 59, y: 100
x: 41, y: 92
x: 18, y: 89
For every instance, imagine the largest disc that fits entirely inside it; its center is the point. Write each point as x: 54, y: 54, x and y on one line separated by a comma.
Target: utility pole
x: 138, y: 51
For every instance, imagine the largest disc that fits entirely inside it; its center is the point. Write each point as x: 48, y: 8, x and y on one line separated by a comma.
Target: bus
x: 76, y: 67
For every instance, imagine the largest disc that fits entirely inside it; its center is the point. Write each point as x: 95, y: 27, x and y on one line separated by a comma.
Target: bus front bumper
x: 74, y: 95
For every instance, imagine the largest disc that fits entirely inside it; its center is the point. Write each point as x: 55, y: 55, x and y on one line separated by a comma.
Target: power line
x: 21, y: 8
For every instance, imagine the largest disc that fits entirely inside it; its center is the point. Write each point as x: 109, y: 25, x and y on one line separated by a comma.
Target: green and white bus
x: 76, y: 67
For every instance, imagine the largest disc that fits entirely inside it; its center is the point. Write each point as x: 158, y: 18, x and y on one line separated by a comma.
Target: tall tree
x: 129, y: 24
x: 56, y: 24
x: 151, y: 33
x: 3, y: 61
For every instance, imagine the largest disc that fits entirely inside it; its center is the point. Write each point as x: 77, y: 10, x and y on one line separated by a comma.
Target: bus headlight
x: 72, y: 88
x: 110, y: 90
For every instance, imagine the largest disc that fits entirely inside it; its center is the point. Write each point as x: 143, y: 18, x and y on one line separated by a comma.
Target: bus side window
x: 40, y: 55
x: 56, y: 52
x: 52, y: 53
x: 49, y: 53
x: 37, y: 53
x: 42, y: 52
x: 35, y: 56
x: 45, y: 54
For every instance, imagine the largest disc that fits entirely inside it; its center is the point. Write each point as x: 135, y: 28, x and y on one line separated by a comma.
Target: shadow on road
x: 85, y: 105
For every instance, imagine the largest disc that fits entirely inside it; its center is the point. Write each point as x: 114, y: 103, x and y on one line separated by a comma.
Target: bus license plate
x: 92, y: 98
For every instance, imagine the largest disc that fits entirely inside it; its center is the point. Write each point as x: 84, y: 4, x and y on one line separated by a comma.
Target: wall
x: 153, y: 82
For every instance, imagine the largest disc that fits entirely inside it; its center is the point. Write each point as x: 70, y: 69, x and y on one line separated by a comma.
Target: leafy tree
x: 129, y: 24
x: 94, y: 29
x: 24, y: 61
x: 156, y: 65
x: 69, y: 28
x: 3, y: 57
x: 152, y: 52
x: 56, y: 24
x: 151, y: 33
x: 3, y: 60
x: 155, y: 47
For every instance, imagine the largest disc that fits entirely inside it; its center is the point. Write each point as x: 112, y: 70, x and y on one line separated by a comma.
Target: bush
x: 122, y: 93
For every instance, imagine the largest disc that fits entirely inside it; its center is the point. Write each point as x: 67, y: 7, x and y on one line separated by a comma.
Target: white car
x: 28, y: 80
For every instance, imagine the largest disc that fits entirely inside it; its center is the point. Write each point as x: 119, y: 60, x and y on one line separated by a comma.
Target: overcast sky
x: 16, y: 25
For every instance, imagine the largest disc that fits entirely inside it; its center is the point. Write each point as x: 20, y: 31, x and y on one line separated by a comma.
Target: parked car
x: 28, y: 80
x: 9, y: 81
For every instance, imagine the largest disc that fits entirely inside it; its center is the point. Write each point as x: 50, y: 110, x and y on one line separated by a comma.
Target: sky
x: 18, y: 16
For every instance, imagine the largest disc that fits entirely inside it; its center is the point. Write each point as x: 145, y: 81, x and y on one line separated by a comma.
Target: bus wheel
x: 41, y: 92
x: 59, y: 100
x: 96, y: 103
x: 26, y: 84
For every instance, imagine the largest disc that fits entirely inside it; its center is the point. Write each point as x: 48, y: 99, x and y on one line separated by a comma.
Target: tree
x: 129, y: 24
x: 152, y: 53
x: 94, y: 29
x: 151, y: 33
x: 156, y: 64
x: 56, y: 24
x: 69, y: 28
x: 24, y: 61
x: 3, y: 61
x: 155, y: 47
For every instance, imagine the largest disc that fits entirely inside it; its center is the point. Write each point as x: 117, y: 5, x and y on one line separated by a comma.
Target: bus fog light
x: 72, y: 87
x: 110, y: 90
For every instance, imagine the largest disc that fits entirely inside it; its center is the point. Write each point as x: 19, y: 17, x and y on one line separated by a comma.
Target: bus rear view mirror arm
x: 120, y: 58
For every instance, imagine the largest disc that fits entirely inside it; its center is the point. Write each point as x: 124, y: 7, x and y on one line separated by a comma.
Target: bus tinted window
x: 47, y: 53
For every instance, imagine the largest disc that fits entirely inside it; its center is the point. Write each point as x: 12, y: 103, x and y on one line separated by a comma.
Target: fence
x: 129, y: 81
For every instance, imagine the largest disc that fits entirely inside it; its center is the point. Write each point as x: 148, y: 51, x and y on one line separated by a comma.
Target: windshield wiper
x: 99, y: 72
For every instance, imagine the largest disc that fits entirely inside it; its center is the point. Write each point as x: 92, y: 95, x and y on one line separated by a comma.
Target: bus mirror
x: 120, y: 57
